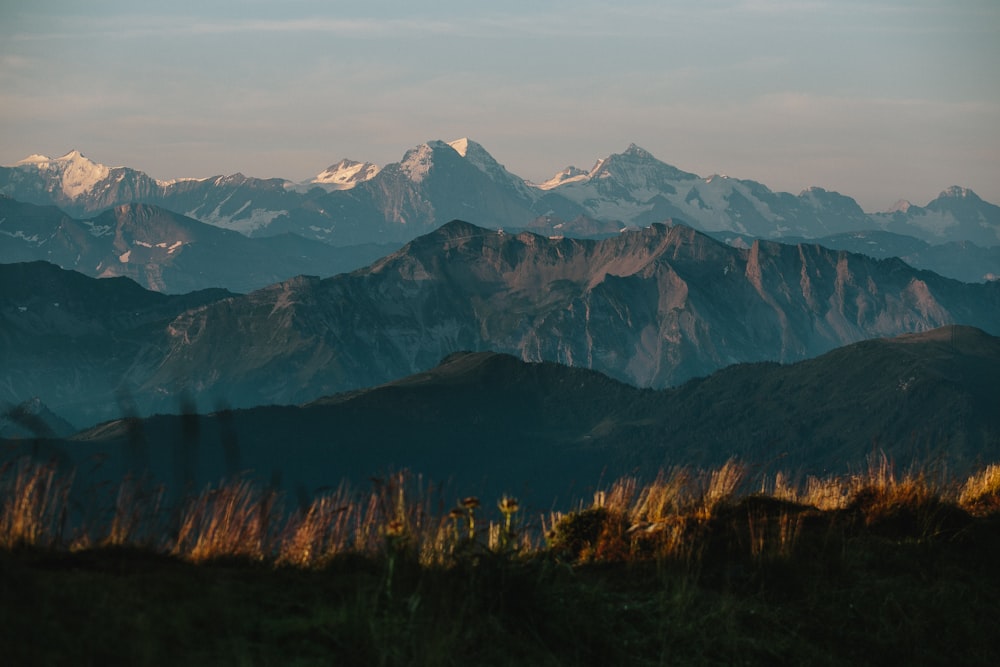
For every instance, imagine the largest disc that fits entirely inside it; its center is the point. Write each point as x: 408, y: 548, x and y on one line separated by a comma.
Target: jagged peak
x: 346, y: 174
x: 35, y: 158
x: 475, y: 154
x: 813, y: 190
x: 76, y: 174
x: 460, y: 228
x: 901, y: 206
x: 461, y: 146
x: 635, y: 150
x: 71, y: 156
x: 418, y: 160
x: 957, y: 192
x: 74, y: 156
x: 570, y: 174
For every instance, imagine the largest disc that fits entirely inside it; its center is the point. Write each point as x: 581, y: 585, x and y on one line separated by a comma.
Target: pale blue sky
x: 878, y: 99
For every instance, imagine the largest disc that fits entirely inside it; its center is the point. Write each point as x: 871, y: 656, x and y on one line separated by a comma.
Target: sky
x: 878, y: 99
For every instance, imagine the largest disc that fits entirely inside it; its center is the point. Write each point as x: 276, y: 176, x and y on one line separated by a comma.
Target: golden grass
x: 981, y: 492
x: 230, y: 521
x: 673, y: 516
x: 34, y: 503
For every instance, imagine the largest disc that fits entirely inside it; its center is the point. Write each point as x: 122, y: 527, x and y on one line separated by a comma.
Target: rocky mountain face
x: 491, y: 423
x: 353, y: 202
x: 653, y: 308
x: 165, y: 251
x: 958, y: 214
x: 79, y: 344
x: 963, y: 261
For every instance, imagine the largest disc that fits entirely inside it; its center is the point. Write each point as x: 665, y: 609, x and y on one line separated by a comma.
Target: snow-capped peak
x: 346, y: 174
x: 461, y: 146
x: 77, y: 175
x: 901, y: 206
x: 475, y: 154
x: 418, y: 161
x: 635, y: 151
x: 570, y: 174
x: 480, y: 158
x: 957, y: 192
x: 33, y: 159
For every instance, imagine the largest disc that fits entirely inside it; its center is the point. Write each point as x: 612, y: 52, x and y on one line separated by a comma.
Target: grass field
x: 695, y: 567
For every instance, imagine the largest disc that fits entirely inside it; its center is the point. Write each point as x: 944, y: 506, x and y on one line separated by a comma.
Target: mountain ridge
x: 166, y: 251
x: 652, y: 307
x: 435, y: 182
x: 492, y: 423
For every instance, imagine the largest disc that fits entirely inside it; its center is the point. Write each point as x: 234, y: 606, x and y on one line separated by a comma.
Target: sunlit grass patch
x: 981, y: 492
x: 33, y: 504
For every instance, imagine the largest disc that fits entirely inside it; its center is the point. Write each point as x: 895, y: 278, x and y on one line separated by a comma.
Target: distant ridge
x: 355, y: 202
x: 165, y: 251
x: 493, y: 423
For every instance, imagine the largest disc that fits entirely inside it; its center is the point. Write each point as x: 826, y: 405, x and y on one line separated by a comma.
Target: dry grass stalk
x: 34, y: 503
x: 981, y: 492
x: 722, y: 486
x: 321, y: 532
x: 664, y: 518
x: 667, y: 496
x: 227, y: 522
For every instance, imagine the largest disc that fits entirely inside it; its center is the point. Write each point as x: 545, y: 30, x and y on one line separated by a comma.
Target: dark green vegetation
x: 683, y: 571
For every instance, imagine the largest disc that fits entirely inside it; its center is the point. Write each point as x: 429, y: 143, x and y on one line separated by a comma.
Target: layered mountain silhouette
x: 490, y: 423
x: 353, y: 202
x: 165, y: 251
x: 653, y: 308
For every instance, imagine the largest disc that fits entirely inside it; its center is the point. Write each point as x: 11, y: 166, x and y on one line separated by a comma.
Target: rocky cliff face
x: 653, y: 307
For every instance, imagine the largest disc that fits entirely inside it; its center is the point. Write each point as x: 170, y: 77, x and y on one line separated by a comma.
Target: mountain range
x: 490, y: 423
x: 166, y: 251
x: 354, y: 202
x: 653, y: 307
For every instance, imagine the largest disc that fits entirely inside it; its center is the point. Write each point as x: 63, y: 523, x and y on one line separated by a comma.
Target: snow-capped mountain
x: 75, y: 183
x: 345, y: 174
x: 76, y: 174
x: 82, y: 187
x: 956, y: 214
x: 638, y: 189
x: 355, y: 202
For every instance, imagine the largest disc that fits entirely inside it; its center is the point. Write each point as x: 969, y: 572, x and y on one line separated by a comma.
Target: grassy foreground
x: 698, y: 568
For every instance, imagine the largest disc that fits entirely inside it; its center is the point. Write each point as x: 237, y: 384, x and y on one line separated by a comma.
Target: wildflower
x: 395, y: 529
x: 470, y: 503
x: 507, y: 506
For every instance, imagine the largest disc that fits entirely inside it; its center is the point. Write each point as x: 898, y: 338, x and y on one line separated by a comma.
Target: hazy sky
x: 876, y: 99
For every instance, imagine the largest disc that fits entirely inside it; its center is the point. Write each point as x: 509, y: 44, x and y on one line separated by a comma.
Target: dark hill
x: 76, y: 342
x: 928, y: 397
x: 492, y: 423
